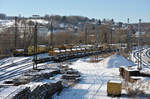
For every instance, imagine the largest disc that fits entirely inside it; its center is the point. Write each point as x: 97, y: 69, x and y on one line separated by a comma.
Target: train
x: 70, y: 49
x: 63, y: 53
x: 62, y: 50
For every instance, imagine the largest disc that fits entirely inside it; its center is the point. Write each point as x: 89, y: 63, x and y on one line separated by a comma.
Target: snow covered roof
x: 136, y: 77
x: 62, y: 50
x: 68, y: 49
x: 115, y: 81
x: 74, y: 49
x: 42, y: 45
x: 19, y: 49
x: 83, y: 48
x: 57, y: 51
x: 78, y: 49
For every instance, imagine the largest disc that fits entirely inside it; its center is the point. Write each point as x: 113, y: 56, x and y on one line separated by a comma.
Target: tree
x: 99, y: 22
x: 2, y: 16
x: 64, y: 19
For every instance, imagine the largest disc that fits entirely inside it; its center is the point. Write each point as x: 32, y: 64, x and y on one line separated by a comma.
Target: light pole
x: 129, y: 43
x: 51, y: 33
x: 86, y: 34
x: 139, y: 46
x: 16, y: 31
x: 35, y: 44
x: 128, y: 38
x: 96, y: 34
x: 112, y: 30
x: 35, y: 47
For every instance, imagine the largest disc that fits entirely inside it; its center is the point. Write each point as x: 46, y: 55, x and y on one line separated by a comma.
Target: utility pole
x: 128, y: 20
x: 35, y: 47
x: 96, y: 35
x: 112, y: 29
x: 86, y: 34
x: 111, y: 36
x: 128, y: 37
x: 16, y: 32
x: 97, y: 39
x: 24, y: 37
x: 50, y: 29
x: 139, y: 46
x: 52, y: 34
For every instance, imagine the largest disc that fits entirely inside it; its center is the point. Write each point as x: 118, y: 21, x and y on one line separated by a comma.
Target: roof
x: 136, y: 77
x: 42, y: 45
x: 19, y: 49
x: 115, y: 81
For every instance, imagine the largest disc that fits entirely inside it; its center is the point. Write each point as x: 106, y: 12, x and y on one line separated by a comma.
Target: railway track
x: 12, y: 64
x: 136, y: 56
x: 17, y: 71
x: 148, y: 53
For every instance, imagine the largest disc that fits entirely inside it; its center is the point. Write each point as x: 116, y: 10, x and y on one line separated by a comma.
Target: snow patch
x: 115, y: 61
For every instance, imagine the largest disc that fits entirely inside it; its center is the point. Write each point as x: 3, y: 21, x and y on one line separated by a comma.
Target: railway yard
x: 73, y: 57
x: 78, y: 77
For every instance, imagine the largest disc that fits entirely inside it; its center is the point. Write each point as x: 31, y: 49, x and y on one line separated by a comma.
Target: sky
x: 119, y: 10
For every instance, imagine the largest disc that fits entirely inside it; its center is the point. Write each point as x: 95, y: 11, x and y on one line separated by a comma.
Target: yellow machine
x: 105, y: 46
x: 114, y: 88
x: 30, y: 50
x: 68, y: 51
x: 54, y: 52
x: 18, y: 52
x: 68, y: 46
x: 61, y: 47
x: 40, y: 49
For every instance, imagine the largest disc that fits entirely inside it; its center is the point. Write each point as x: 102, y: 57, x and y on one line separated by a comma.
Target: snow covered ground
x: 93, y: 84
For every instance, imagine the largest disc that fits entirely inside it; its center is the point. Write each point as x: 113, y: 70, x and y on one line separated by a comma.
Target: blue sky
x: 119, y: 10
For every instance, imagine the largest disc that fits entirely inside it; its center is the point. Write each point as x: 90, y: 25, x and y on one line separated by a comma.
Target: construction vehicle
x: 114, y: 88
x: 18, y: 52
x: 30, y: 51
